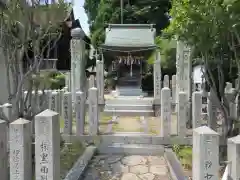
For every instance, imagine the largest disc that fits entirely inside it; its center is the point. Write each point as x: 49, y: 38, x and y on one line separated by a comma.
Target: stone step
x: 127, y: 106
x: 131, y: 149
x: 130, y: 101
x: 127, y: 112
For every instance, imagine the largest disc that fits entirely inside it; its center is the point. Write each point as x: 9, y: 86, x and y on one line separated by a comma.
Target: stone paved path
x: 117, y: 167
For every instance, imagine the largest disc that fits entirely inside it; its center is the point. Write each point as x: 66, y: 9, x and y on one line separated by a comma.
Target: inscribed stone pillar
x: 78, y: 61
x: 166, y: 81
x: 92, y: 81
x: 184, y: 72
x: 100, y: 80
x: 47, y: 145
x: 182, y: 113
x: 205, y: 154
x: 183, y: 66
x: 165, y: 112
x: 80, y: 112
x: 54, y: 101
x: 174, y: 89
x: 233, y: 150
x: 196, y: 109
x: 3, y: 150
x: 93, y: 111
x: 212, y: 111
x: 20, y: 150
x: 67, y: 112
x: 157, y: 78
x: 61, y: 94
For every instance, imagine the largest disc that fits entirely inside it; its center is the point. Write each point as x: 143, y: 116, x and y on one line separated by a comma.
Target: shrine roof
x: 130, y: 36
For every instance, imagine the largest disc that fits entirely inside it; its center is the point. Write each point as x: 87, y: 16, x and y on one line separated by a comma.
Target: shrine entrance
x: 129, y: 46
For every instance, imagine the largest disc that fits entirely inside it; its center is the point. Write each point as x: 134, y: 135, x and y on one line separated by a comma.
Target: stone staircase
x: 130, y: 106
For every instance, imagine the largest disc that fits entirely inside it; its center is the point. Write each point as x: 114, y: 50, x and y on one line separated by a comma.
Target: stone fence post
x: 80, y: 112
x: 157, y: 78
x: 196, y: 109
x: 166, y: 81
x: 182, y: 110
x: 100, y: 80
x: 93, y: 109
x: 47, y: 146
x: 20, y: 150
x: 3, y: 150
x: 205, y: 154
x: 173, y: 89
x: 54, y: 101
x: 233, y: 150
x: 67, y: 113
x: 165, y: 112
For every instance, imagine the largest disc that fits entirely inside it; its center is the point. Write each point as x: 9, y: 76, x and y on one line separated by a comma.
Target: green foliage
x: 184, y: 154
x: 57, y: 81
x: 168, y: 55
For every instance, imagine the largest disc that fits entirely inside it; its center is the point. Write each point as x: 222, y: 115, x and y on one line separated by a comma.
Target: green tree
x: 211, y: 28
x: 28, y: 25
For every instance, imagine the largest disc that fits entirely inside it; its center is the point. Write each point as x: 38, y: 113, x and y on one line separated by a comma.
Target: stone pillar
x: 182, y: 113
x: 20, y: 150
x: 196, y: 109
x: 48, y: 101
x: 157, y: 78
x: 61, y: 94
x: 205, y: 154
x: 183, y: 66
x: 100, y: 80
x: 47, y: 146
x: 54, y: 101
x: 68, y: 80
x: 78, y: 61
x: 166, y: 81
x: 80, y: 112
x: 184, y: 73
x: 93, y: 111
x: 67, y: 112
x: 165, y: 112
x: 233, y: 150
x: 212, y: 111
x: 3, y: 150
x: 92, y: 81
x: 174, y: 89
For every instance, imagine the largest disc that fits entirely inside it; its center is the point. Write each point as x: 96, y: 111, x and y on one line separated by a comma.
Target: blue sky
x: 80, y: 14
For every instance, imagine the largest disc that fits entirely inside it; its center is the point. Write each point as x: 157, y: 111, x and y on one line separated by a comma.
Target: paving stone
x: 130, y: 176
x: 134, y: 160
x: 113, y: 159
x: 163, y: 177
x: 147, y: 176
x: 156, y: 160
x: 158, y: 169
x: 139, y: 169
x: 118, y: 167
